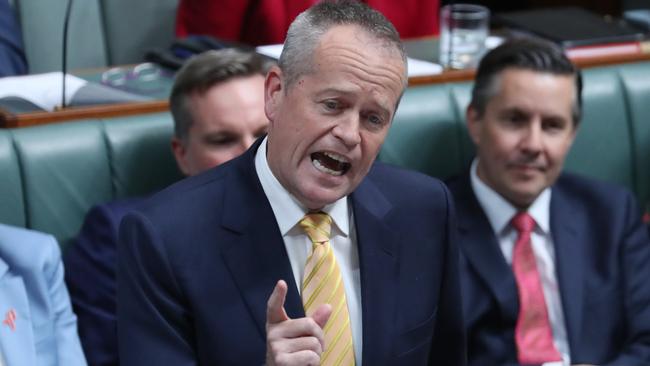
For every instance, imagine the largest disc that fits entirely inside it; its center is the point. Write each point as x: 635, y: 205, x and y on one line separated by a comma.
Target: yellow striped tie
x: 323, y: 284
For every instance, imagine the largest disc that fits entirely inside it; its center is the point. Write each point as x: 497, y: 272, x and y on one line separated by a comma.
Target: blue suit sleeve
x: 12, y: 56
x: 154, y: 323
x: 90, y: 276
x: 635, y: 262
x: 65, y: 322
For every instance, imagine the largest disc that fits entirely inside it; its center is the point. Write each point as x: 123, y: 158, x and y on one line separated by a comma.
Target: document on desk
x: 415, y: 67
x: 44, y: 90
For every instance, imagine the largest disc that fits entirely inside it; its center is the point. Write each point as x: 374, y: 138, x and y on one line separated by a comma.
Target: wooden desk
x: 8, y: 120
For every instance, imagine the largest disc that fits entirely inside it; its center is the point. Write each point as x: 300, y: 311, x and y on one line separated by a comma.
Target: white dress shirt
x: 288, y: 213
x: 499, y: 213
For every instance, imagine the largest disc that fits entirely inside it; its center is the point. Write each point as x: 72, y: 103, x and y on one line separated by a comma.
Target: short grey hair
x: 306, y: 30
x: 205, y: 70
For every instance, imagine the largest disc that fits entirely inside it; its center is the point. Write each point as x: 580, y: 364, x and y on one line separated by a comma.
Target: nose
x: 347, y: 130
x: 532, y: 141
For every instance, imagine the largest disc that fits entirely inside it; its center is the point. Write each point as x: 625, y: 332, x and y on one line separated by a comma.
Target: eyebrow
x: 524, y: 112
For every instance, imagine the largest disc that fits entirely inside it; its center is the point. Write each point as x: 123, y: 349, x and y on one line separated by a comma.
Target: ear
x: 473, y: 124
x: 180, y: 153
x: 273, y: 92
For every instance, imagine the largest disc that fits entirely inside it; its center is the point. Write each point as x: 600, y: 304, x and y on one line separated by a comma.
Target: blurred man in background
x: 217, y: 102
x: 554, y: 266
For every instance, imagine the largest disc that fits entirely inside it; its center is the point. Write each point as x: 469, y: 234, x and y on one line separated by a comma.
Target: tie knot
x: 523, y: 222
x: 317, y: 226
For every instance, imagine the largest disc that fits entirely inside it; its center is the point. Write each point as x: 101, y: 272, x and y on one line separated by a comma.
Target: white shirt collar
x: 287, y: 209
x: 499, y: 211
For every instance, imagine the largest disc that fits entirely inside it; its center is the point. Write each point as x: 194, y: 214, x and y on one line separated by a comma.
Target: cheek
x: 371, y: 143
x: 558, y: 153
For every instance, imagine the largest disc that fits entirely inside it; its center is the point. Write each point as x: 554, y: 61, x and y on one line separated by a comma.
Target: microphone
x: 64, y: 69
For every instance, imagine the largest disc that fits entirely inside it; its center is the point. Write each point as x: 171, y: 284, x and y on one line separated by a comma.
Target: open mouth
x: 330, y: 163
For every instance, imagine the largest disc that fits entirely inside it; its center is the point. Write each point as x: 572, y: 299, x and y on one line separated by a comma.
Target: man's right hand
x: 293, y: 341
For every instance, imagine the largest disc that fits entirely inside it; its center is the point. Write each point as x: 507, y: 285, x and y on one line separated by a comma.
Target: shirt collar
x: 287, y: 209
x: 499, y: 211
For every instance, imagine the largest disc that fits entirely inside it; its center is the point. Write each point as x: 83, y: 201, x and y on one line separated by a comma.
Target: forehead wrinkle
x: 372, y: 74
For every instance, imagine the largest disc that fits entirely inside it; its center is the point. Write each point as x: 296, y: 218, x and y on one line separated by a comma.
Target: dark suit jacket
x: 12, y: 56
x: 199, y: 261
x: 90, y: 262
x: 602, y: 256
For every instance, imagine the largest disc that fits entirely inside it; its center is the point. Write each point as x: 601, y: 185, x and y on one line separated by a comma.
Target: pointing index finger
x: 275, y: 307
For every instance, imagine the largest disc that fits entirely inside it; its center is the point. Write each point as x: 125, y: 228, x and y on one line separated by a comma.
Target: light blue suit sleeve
x: 65, y: 322
x: 41, y: 328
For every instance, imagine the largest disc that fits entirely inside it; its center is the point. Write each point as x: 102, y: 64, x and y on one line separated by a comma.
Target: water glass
x: 463, y: 31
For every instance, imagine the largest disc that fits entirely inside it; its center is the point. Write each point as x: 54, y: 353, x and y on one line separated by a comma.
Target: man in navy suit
x: 210, y: 268
x: 572, y: 287
x: 218, y: 106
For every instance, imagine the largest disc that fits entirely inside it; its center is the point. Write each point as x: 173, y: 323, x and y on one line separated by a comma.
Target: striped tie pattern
x: 323, y: 284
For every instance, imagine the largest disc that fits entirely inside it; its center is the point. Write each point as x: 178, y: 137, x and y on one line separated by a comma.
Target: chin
x: 321, y: 197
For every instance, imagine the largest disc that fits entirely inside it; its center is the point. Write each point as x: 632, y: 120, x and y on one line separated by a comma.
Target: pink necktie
x: 533, y: 334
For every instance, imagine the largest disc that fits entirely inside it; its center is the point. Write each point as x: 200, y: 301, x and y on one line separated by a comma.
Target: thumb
x: 322, y: 314
x: 275, y: 306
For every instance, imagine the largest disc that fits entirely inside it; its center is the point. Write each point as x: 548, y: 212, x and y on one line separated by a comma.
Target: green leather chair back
x: 602, y: 147
x: 42, y: 27
x: 140, y: 154
x: 100, y: 33
x: 133, y: 27
x: 69, y: 167
x: 65, y: 171
x: 635, y: 79
x: 12, y: 209
x: 427, y: 133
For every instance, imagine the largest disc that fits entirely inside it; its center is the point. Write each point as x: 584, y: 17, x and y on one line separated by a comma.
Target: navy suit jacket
x: 90, y: 262
x: 12, y: 56
x: 199, y: 260
x: 602, y: 256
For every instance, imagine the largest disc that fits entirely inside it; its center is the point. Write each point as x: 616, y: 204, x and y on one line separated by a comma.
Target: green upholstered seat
x: 140, y: 154
x: 101, y: 33
x: 635, y: 79
x: 65, y: 171
x: 42, y: 27
x: 426, y: 135
x: 133, y: 27
x: 602, y: 148
x: 12, y: 208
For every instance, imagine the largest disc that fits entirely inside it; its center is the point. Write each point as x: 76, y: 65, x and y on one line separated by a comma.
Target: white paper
x: 422, y: 68
x: 44, y: 90
x: 415, y: 67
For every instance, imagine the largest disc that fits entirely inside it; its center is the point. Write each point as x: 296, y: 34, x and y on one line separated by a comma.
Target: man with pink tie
x: 554, y: 267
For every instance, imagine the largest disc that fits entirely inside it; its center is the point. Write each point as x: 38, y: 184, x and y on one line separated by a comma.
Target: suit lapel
x: 565, y: 222
x: 378, y: 259
x: 17, y: 344
x: 480, y: 246
x: 256, y: 257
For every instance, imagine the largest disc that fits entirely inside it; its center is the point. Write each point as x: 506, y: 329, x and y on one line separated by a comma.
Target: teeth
x: 325, y: 169
x: 339, y: 158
